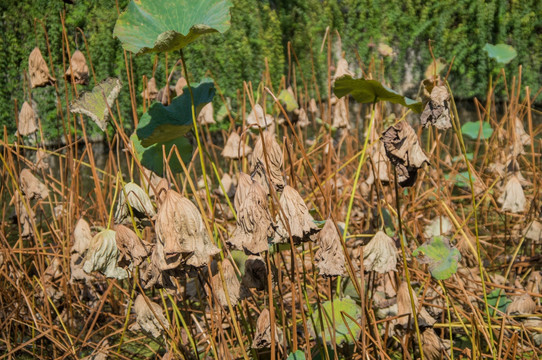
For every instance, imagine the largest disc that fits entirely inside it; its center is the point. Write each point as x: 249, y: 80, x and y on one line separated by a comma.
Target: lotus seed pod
x: 330, y: 257
x: 233, y: 148
x: 257, y: 117
x: 135, y: 198
x: 78, y: 68
x: 102, y: 256
x: 232, y: 283
x: 300, y: 221
x: 261, y: 167
x: 31, y: 186
x: 513, y: 198
x: 380, y: 254
x: 27, y: 120
x: 39, y: 72
x: 149, y: 317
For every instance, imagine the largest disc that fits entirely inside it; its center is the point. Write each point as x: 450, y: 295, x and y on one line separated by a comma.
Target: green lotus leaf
x: 441, y: 257
x: 502, y: 53
x: 370, y: 91
x: 288, y: 100
x: 157, y: 26
x: 472, y: 129
x: 164, y: 123
x: 298, y: 355
x: 342, y: 323
x: 497, y: 299
x: 152, y: 157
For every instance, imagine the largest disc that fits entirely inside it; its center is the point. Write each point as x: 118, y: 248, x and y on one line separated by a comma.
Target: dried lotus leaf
x: 41, y: 159
x: 78, y: 68
x: 179, y: 86
x: 302, y: 119
x: 206, y: 115
x: 149, y: 317
x: 513, y: 198
x: 232, y: 284
x: 82, y: 237
x: 262, y: 166
x: 404, y: 309
x: 243, y: 187
x: 404, y: 151
x: 39, y: 72
x: 164, y: 95
x: 342, y: 69
x: 254, y: 223
x: 533, y: 232
x: 31, y: 186
x: 156, y: 272
x: 437, y: 110
x: 330, y: 257
x: 134, y: 198
x: 132, y: 249
x: 25, y: 215
x: 340, y: 114
x: 433, y: 346
x: 150, y: 92
x: 233, y: 149
x: 300, y: 222
x: 255, y: 276
x: 262, y: 337
x: 380, y: 254
x: 102, y: 256
x: 27, y: 120
x: 259, y: 118
x: 228, y: 185
x: 522, y: 305
x: 52, y: 274
x: 379, y: 165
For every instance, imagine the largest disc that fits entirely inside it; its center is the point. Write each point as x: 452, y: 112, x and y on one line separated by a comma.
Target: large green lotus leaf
x: 441, y: 257
x: 502, y: 53
x: 298, y: 355
x: 152, y: 157
x: 370, y: 91
x: 165, y: 25
x: 163, y: 123
x: 346, y: 306
x: 472, y: 129
x: 288, y: 100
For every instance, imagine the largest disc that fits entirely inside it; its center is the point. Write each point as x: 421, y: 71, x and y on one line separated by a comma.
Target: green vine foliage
x: 261, y: 29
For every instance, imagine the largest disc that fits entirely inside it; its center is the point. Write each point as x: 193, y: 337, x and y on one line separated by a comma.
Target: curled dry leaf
x: 233, y: 149
x: 150, y: 92
x: 404, y: 151
x: 330, y: 257
x: 521, y: 136
x: 254, y: 223
x: 232, y: 284
x: 255, y: 276
x: 379, y: 165
x: 39, y: 72
x: 78, y: 68
x: 82, y: 237
x: 152, y: 274
x: 433, y: 346
x: 404, y: 309
x: 181, y: 232
x: 533, y: 232
x: 149, y: 317
x: 27, y: 120
x: 241, y: 193
x: 133, y: 251
x: 181, y: 83
x: 380, y: 254
x: 102, y: 256
x: 135, y: 198
x: 25, y: 215
x: 206, y: 115
x: 31, y: 186
x: 513, y: 198
x: 263, y: 166
x: 257, y: 117
x: 300, y: 222
x: 52, y: 274
x: 437, y: 110
x: 521, y: 305
x: 340, y: 114
x: 262, y: 337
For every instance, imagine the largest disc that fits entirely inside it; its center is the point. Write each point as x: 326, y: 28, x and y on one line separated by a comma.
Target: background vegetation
x: 262, y: 29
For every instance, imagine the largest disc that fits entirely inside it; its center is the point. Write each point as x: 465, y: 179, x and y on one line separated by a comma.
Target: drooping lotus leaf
x: 96, y: 103
x: 153, y: 159
x: 298, y: 355
x: 369, y: 91
x: 156, y: 26
x: 441, y: 257
x: 472, y: 129
x: 164, y: 123
x: 342, y: 323
x: 287, y: 98
x: 502, y: 53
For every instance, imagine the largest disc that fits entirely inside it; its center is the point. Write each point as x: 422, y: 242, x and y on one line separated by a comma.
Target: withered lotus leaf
x: 132, y: 249
x: 27, y: 120
x: 330, y: 256
x: 164, y: 95
x: 437, y: 110
x: 257, y: 117
x: 521, y: 136
x: 39, y: 72
x: 25, y: 215
x: 102, y: 256
x: 232, y: 283
x: 433, y: 346
x: 404, y: 309
x: 229, y: 185
x: 342, y: 69
x: 261, y: 166
x: 233, y: 149
x: 181, y: 232
x: 302, y: 118
x: 41, y: 159
x: 31, y: 186
x: 380, y: 254
x: 513, y: 198
x: 255, y: 276
x: 150, y: 92
x: 379, y: 166
x: 262, y: 337
x: 404, y: 151
x: 243, y: 187
x: 313, y: 108
x: 149, y: 317
x: 522, y: 305
x: 78, y: 68
x: 181, y: 83
x: 134, y: 197
x: 82, y: 237
x: 157, y: 273
x: 340, y: 114
x: 206, y: 115
x: 533, y: 232
x: 52, y: 274
x: 254, y: 223
x: 300, y: 221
